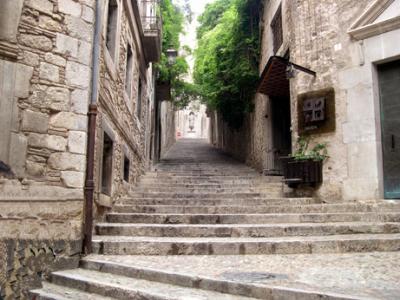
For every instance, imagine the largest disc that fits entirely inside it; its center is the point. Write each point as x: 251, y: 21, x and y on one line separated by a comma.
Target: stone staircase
x: 199, y: 203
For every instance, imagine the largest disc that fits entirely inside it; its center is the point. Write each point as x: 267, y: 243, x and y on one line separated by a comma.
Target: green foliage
x: 183, y: 93
x: 211, y: 16
x: 173, y: 20
x: 318, y: 153
x: 226, y: 66
x: 173, y: 26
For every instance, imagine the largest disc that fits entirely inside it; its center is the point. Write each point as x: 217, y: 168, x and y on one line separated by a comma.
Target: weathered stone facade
x: 45, y: 88
x: 119, y: 115
x: 41, y: 51
x: 343, y: 42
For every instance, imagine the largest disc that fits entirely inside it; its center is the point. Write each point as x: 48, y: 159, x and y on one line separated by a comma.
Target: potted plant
x: 305, y: 166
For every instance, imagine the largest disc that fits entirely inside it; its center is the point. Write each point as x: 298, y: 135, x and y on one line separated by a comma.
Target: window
x: 277, y: 31
x: 111, y: 34
x: 126, y: 168
x: 106, y: 173
x: 128, y: 71
x: 139, y: 100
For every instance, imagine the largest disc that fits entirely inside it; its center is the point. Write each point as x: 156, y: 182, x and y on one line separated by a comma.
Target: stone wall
x: 45, y: 77
x: 167, y: 115
x: 118, y: 113
x: 25, y: 263
x: 199, y: 121
x: 44, y: 110
x: 316, y: 35
x: 45, y: 57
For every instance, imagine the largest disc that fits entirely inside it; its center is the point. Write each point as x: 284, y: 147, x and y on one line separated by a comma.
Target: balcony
x: 152, y: 29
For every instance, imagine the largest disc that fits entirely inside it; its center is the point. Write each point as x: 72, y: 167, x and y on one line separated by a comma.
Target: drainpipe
x: 92, y: 114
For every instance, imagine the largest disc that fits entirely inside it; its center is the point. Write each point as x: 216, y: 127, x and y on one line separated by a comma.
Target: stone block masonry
x: 44, y: 96
x: 25, y: 263
x: 46, y: 52
x: 315, y: 34
x: 52, y: 86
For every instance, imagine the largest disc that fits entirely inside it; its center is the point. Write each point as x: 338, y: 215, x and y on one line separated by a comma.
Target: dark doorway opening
x: 389, y: 89
x: 281, y: 131
x: 126, y: 168
x: 106, y: 170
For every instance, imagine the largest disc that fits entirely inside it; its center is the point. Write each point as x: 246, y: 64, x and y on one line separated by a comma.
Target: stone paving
x: 372, y: 275
x: 188, y: 228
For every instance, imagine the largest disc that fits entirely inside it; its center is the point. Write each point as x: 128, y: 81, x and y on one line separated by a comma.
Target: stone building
x: 352, y: 46
x: 192, y: 122
x: 57, y: 59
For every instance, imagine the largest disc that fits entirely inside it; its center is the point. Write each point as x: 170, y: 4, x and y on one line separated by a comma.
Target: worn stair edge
x: 242, y: 209
x: 143, y: 218
x: 246, y: 230
x: 239, y: 246
x: 51, y: 291
x: 122, y: 287
x: 213, y: 202
x: 211, y: 284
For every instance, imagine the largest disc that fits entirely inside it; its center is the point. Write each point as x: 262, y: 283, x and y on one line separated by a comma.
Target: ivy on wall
x: 227, y: 57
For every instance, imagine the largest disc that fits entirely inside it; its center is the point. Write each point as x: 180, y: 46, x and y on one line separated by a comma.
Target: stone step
x: 251, y: 218
x: 245, y: 230
x: 196, y: 185
x: 51, y: 291
x: 125, y: 245
x: 239, y: 183
x: 205, y: 176
x: 215, y: 180
x: 260, y: 285
x: 204, y: 169
x: 127, y: 288
x: 174, y: 190
x: 213, y: 202
x: 267, y: 209
x: 241, y: 195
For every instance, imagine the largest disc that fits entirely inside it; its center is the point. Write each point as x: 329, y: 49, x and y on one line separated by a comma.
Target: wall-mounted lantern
x: 172, y: 54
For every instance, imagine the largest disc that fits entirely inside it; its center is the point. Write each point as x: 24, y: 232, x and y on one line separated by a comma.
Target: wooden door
x: 389, y: 88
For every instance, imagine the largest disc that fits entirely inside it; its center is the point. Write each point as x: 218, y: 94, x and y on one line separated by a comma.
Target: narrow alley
x: 199, y: 149
x: 186, y: 230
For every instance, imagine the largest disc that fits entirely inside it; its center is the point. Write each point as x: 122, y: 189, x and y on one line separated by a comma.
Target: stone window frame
x: 125, y: 155
x: 10, y: 14
x: 112, y: 59
x: 139, y: 98
x: 105, y: 129
x: 276, y: 26
x: 129, y: 68
x: 128, y: 97
x: 364, y: 27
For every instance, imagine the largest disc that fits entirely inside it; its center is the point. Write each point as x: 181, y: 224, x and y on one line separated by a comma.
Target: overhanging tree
x: 173, y: 26
x: 227, y: 57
